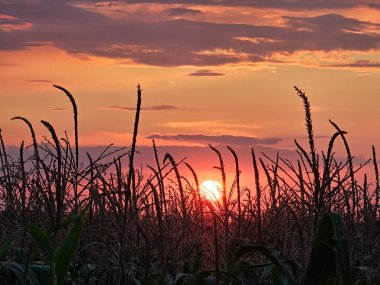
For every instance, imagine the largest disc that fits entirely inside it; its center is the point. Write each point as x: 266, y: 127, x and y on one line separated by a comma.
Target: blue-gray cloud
x: 183, y: 11
x: 205, y: 72
x: 222, y: 139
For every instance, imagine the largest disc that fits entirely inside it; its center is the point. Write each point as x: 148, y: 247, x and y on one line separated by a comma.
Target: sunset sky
x: 219, y: 72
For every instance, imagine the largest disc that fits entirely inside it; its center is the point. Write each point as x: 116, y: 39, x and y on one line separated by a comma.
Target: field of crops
x: 105, y: 221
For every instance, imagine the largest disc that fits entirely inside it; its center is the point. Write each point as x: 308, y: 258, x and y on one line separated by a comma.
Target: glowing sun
x: 211, y: 190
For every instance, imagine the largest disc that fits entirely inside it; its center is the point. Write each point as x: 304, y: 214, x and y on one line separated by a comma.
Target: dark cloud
x: 374, y: 5
x: 105, y: 5
x: 327, y: 22
x: 181, y: 42
x: 358, y: 63
x: 332, y: 32
x: 54, y: 13
x: 148, y: 108
x: 205, y: 72
x: 278, y: 4
x: 183, y: 11
x: 222, y: 139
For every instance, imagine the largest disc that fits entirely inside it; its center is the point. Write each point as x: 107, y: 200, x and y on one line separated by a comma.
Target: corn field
x: 105, y: 221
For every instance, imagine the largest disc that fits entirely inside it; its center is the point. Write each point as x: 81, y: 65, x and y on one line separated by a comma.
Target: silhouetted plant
x: 156, y: 228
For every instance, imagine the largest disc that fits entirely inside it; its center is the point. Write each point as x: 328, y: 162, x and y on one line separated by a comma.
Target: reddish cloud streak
x: 148, y: 108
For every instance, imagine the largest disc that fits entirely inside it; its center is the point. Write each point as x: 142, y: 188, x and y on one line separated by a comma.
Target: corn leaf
x: 66, y: 251
x: 246, y: 249
x: 5, y: 246
x: 322, y: 268
x: 42, y: 240
x: 43, y: 273
x: 18, y: 272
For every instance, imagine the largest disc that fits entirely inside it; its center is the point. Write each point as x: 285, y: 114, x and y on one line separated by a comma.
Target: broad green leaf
x: 266, y: 273
x: 43, y: 273
x: 18, y: 271
x: 322, y: 268
x: 5, y: 246
x: 201, y: 277
x: 342, y: 251
x: 42, y: 241
x: 135, y: 280
x: 364, y: 275
x: 179, y: 278
x: 343, y: 259
x: 66, y: 251
x: 278, y: 277
x: 245, y: 249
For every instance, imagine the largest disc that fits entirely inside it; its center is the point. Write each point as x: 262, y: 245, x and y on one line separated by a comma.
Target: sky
x: 212, y: 71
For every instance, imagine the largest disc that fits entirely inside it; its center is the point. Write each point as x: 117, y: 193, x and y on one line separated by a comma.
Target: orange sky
x: 208, y: 69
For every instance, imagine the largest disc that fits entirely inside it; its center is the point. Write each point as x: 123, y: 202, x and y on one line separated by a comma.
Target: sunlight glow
x: 211, y: 190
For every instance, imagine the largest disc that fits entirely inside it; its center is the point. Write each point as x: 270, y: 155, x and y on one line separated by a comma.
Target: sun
x: 211, y: 190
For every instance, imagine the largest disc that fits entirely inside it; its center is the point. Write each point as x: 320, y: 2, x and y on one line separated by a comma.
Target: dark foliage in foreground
x: 93, y: 222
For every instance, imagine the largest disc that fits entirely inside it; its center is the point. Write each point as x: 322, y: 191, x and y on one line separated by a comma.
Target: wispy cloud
x: 148, y: 108
x: 39, y: 81
x: 205, y: 72
x: 358, y: 64
x: 9, y: 23
x: 222, y: 139
x: 58, y: 109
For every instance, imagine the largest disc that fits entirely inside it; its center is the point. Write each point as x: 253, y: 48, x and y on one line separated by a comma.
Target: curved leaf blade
x: 66, y: 251
x: 5, y: 246
x: 42, y: 240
